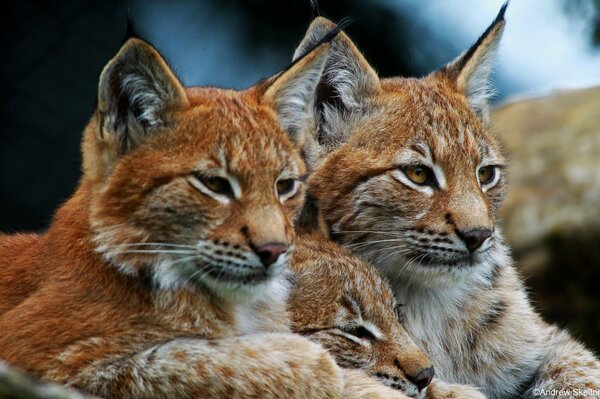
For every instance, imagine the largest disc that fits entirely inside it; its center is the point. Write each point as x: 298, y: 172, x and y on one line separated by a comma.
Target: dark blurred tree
x: 567, y: 291
x: 53, y: 52
x: 589, y: 11
x: 380, y: 32
x: 52, y: 55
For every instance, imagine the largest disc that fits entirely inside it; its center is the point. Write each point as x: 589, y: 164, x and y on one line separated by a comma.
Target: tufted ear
x: 136, y: 93
x: 291, y: 93
x: 347, y: 80
x: 471, y: 71
x: 347, y: 73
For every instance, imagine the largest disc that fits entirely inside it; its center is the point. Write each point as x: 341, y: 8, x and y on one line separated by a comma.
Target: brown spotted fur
x: 109, y: 301
x: 342, y: 303
x: 468, y: 310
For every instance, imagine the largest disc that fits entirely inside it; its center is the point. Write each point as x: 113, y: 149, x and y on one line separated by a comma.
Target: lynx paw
x: 314, y: 373
x: 443, y: 390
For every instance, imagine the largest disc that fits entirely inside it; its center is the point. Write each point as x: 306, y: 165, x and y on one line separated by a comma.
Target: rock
x: 551, y: 216
x: 15, y: 384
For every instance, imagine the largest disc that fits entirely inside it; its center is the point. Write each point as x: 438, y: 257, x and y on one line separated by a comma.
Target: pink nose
x: 269, y: 253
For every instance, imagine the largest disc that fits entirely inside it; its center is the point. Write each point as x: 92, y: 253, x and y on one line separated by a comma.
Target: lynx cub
x: 342, y: 303
x: 157, y: 276
x: 410, y: 178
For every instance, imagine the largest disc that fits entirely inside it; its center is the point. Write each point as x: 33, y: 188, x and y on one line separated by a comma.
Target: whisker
x: 158, y: 251
x: 365, y: 243
x: 388, y: 248
x: 397, y: 231
x: 158, y: 244
x: 200, y: 270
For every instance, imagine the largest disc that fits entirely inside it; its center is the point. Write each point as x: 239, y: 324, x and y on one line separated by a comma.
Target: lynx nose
x: 475, y: 238
x: 423, y: 378
x: 269, y: 253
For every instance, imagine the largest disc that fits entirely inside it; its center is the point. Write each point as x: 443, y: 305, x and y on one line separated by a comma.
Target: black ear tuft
x: 500, y: 16
x: 498, y: 20
x: 471, y: 71
x: 326, y: 38
x: 314, y: 7
x: 347, y: 81
x: 130, y: 27
x: 130, y: 32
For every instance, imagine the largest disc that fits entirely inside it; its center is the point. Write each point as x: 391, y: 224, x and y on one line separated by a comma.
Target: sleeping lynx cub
x: 342, y: 303
x: 409, y: 177
x: 165, y: 274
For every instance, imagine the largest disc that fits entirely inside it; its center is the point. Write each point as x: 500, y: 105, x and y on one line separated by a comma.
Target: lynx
x: 342, y: 303
x: 165, y: 274
x: 409, y: 177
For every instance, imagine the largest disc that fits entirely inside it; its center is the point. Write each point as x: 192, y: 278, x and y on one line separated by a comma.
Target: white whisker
x: 396, y: 232
x: 157, y: 244
x: 365, y: 243
x: 158, y: 251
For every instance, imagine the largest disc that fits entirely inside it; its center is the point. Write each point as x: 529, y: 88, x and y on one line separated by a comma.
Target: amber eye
x: 285, y: 186
x: 486, y: 174
x: 419, y: 174
x: 217, y: 185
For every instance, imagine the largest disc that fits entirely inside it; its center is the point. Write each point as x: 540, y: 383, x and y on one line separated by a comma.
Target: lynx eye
x: 419, y: 174
x: 285, y: 186
x: 216, y: 184
x: 486, y: 174
x: 361, y: 332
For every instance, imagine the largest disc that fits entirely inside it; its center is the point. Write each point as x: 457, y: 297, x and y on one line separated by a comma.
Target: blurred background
x: 547, y: 107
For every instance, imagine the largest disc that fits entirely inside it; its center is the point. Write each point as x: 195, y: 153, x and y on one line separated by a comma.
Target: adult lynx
x: 409, y: 177
x: 156, y: 277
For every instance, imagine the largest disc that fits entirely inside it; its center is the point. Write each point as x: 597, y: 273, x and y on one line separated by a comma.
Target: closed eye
x: 360, y: 331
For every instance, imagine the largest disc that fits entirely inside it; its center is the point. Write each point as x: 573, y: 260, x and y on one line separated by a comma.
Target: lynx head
x: 407, y: 173
x: 342, y: 303
x: 197, y: 186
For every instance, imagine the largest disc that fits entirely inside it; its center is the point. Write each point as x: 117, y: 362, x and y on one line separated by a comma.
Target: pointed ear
x: 292, y: 92
x: 347, y: 81
x: 348, y: 76
x: 471, y: 71
x: 136, y: 93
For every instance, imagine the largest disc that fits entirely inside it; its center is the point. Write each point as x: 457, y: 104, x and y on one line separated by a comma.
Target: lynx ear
x: 292, y: 92
x: 347, y: 80
x: 471, y: 71
x: 347, y: 75
x: 137, y: 90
